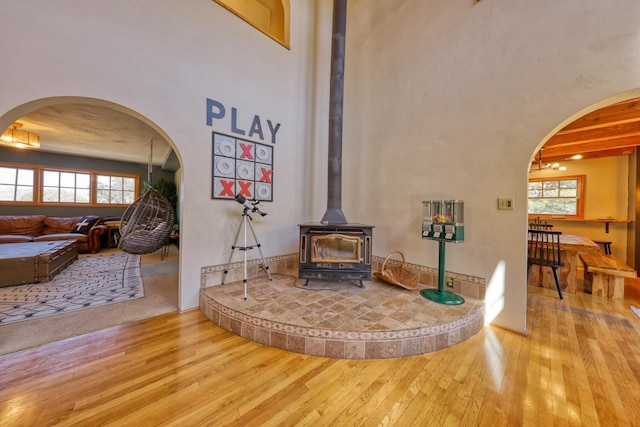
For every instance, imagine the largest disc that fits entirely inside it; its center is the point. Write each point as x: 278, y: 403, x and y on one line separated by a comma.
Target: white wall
x: 450, y: 100
x: 162, y: 59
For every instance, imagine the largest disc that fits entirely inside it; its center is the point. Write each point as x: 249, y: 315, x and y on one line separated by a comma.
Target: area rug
x: 90, y: 281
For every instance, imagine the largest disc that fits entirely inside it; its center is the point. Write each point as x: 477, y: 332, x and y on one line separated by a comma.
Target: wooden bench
x: 606, y: 274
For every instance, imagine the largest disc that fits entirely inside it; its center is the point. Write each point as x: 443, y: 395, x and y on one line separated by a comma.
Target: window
x: 16, y: 184
x: 66, y: 187
x: 557, y: 196
x: 269, y: 16
x: 46, y: 186
x: 115, y: 190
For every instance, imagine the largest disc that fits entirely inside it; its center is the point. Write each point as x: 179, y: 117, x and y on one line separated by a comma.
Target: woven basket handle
x: 384, y: 264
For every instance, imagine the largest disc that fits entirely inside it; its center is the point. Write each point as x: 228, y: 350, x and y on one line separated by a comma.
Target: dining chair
x: 539, y: 225
x: 544, y: 250
x: 606, y: 246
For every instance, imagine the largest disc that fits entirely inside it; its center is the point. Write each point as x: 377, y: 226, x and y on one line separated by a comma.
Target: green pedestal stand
x: 440, y: 295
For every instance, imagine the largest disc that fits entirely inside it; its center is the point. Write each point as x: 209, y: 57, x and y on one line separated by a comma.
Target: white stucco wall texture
x: 450, y: 100
x: 443, y: 100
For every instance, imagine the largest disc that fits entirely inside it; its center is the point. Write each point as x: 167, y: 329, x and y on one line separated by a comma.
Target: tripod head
x: 250, y: 205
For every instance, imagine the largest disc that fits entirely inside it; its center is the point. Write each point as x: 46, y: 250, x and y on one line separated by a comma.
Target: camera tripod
x: 246, y: 221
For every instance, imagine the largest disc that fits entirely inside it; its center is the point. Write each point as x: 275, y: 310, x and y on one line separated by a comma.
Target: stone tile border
x: 463, y: 284
x: 344, y: 344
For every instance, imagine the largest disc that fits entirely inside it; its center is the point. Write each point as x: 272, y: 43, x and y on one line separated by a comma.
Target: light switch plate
x: 505, y: 203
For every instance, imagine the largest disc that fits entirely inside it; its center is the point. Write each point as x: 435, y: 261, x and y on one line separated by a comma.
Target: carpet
x: 89, y: 282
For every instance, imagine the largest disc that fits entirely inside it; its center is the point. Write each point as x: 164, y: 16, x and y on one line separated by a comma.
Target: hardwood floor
x: 579, y: 365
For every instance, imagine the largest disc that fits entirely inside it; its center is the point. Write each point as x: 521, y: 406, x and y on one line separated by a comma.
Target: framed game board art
x: 241, y: 167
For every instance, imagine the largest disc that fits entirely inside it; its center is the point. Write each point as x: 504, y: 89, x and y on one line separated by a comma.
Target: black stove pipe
x: 334, y: 214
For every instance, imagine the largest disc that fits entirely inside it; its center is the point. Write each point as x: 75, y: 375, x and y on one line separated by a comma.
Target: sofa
x: 86, y: 230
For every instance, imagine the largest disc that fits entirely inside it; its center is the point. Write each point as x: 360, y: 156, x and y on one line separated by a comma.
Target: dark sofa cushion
x: 84, y: 225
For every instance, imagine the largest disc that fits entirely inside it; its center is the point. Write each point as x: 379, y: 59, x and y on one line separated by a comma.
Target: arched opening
x: 87, y: 134
x: 598, y: 148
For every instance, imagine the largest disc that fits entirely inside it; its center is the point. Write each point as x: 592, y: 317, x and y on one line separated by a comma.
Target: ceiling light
x: 539, y: 166
x: 19, y: 138
x: 576, y: 157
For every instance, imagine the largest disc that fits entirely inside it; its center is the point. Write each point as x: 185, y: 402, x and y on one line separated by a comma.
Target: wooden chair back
x: 537, y: 224
x: 544, y: 250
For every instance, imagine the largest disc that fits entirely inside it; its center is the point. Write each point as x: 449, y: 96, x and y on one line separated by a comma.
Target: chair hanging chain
x: 150, y: 163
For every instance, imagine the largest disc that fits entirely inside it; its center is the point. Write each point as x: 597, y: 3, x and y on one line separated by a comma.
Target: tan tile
x: 335, y: 349
x: 344, y: 320
x: 315, y: 346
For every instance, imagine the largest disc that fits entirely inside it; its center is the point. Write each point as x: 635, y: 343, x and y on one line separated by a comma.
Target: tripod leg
x: 266, y: 266
x: 245, y: 248
x: 234, y: 246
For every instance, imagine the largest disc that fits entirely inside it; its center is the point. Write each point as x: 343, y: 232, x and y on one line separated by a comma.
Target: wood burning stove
x: 335, y: 249
x: 335, y: 252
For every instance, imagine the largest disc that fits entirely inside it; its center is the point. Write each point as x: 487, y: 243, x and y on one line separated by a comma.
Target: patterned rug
x: 89, y: 282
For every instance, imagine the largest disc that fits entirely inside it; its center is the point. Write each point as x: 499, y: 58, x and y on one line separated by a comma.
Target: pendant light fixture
x: 15, y: 137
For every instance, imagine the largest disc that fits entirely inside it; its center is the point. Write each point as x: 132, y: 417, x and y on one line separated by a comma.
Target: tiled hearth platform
x: 340, y: 319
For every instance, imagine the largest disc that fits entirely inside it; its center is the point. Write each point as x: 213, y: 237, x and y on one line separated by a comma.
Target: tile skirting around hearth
x: 463, y: 284
x: 339, y: 319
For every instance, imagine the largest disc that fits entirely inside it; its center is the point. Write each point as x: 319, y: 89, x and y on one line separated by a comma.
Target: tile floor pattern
x: 340, y: 319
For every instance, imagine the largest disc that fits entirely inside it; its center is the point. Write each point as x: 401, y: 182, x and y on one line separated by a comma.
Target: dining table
x: 570, y: 246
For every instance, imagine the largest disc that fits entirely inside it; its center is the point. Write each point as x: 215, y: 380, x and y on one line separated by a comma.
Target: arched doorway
x: 597, y: 146
x: 97, y: 135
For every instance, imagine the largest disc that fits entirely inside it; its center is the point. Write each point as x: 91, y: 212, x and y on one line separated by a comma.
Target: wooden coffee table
x: 34, y: 262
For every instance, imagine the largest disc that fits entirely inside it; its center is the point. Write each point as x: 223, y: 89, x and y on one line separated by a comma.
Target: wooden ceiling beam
x: 592, y: 155
x: 598, y: 134
x: 595, y: 144
x: 613, y: 130
x: 608, y: 148
x: 619, y: 113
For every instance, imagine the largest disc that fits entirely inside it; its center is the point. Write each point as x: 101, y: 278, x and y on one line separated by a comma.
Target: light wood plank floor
x: 580, y: 365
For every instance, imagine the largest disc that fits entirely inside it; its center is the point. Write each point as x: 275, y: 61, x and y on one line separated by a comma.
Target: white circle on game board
x: 262, y: 153
x: 263, y: 191
x: 224, y: 166
x: 226, y: 148
x: 244, y: 171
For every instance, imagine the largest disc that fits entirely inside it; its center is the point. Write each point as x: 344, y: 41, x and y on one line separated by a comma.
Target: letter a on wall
x: 241, y: 167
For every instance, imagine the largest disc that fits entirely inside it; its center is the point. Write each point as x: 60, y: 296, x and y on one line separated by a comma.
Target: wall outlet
x: 449, y: 282
x: 260, y: 267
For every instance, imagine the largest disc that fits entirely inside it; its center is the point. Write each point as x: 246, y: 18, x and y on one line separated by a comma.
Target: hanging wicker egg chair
x: 146, y: 224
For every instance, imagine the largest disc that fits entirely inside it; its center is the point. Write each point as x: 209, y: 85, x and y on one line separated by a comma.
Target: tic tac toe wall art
x: 241, y: 167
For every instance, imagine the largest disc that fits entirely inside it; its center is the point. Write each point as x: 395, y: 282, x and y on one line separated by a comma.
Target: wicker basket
x: 399, y: 275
